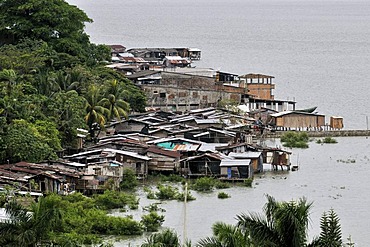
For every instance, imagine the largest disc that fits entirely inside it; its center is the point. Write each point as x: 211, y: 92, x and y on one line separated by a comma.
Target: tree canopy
x: 55, y: 22
x: 48, y: 67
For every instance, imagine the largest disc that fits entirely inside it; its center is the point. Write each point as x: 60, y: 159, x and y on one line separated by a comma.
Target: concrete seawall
x: 332, y: 133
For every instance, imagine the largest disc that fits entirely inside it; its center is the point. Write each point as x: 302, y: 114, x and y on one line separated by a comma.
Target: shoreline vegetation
x: 78, y: 220
x: 53, y: 81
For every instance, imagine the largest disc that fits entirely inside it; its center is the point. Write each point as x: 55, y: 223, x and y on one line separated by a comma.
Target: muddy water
x: 331, y: 175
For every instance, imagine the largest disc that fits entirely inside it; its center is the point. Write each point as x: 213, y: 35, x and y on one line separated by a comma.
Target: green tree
x: 167, y: 238
x: 130, y: 93
x: 49, y: 133
x: 56, y: 22
x: 25, y: 143
x: 118, y: 108
x: 26, y: 57
x: 29, y: 228
x: 225, y: 235
x: 284, y: 223
x: 96, y: 113
x: 331, y: 233
x: 67, y: 109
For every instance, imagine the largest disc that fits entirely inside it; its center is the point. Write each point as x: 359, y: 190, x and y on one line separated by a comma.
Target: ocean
x: 319, y: 53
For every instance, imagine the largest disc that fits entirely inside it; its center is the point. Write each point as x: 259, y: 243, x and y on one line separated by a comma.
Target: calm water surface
x: 319, y: 52
x: 331, y: 175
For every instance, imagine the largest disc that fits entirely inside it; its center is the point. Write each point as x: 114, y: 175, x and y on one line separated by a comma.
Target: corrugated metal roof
x: 225, y: 132
x: 205, y: 147
x: 246, y: 155
x: 164, y: 152
x: 208, y: 121
x: 127, y: 153
x: 233, y: 163
x: 171, y: 139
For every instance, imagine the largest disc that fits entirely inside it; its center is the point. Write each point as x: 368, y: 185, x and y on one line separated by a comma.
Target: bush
x: 153, y: 207
x: 149, y: 193
x: 204, y: 184
x: 221, y: 185
x: 223, y: 195
x: 327, y: 140
x: 152, y: 221
x: 295, y: 139
x: 248, y: 182
x: 181, y: 197
x: 129, y: 180
x: 114, y: 199
x: 166, y: 192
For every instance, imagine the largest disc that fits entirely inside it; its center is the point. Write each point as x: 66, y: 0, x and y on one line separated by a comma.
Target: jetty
x: 324, y: 133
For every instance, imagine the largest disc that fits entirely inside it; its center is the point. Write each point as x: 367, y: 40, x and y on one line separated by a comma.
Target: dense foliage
x: 53, y: 81
x: 207, y: 184
x: 282, y: 224
x: 295, y: 139
x: 168, y: 192
x: 72, y: 220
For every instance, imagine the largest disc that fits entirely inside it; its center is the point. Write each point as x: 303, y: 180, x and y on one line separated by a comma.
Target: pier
x: 324, y: 133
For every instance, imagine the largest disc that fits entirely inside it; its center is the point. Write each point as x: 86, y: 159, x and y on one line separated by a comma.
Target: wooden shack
x: 163, y: 160
x: 255, y: 157
x: 336, y: 122
x: 298, y: 120
x: 236, y: 169
x: 207, y: 164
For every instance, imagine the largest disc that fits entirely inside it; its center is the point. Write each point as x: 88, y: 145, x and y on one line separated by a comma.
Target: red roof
x: 156, y: 150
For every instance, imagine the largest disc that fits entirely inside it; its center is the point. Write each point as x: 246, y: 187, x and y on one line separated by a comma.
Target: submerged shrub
x: 204, y: 184
x: 181, y: 197
x: 152, y: 221
x: 114, y: 199
x: 149, y: 193
x: 221, y: 185
x: 223, y: 195
x: 166, y: 192
x: 153, y: 207
x: 295, y: 139
x: 329, y: 140
x: 248, y: 182
x: 129, y: 180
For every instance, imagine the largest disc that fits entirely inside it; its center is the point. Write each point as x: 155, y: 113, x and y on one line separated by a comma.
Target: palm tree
x: 284, y: 224
x: 96, y: 113
x: 225, y: 235
x: 25, y: 228
x: 118, y: 108
x: 167, y: 238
